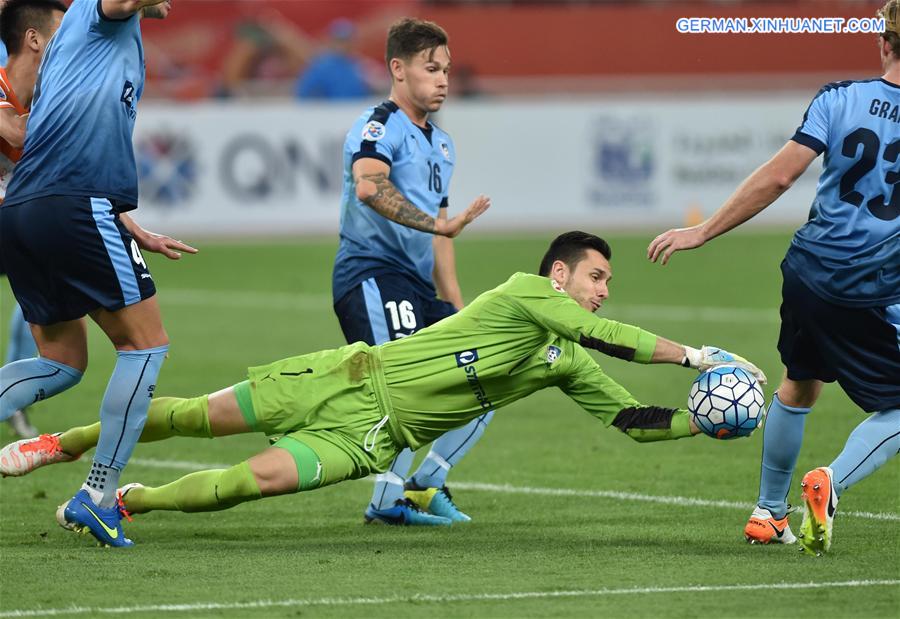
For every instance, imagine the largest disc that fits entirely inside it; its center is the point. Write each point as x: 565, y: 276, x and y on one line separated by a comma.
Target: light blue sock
x: 389, y: 485
x: 25, y: 382
x: 124, y: 408
x: 21, y: 342
x: 872, y: 443
x: 447, y: 451
x: 782, y: 437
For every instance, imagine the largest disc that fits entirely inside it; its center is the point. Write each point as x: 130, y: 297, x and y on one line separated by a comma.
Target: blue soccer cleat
x: 82, y: 515
x: 404, y: 513
x: 436, y: 501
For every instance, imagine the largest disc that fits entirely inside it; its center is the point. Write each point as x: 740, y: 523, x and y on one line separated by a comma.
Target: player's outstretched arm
x: 157, y: 243
x: 758, y: 191
x: 123, y: 9
x: 701, y: 359
x: 613, y: 405
x: 375, y: 189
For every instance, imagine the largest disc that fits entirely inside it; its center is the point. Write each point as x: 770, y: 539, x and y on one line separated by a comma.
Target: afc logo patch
x: 553, y: 354
x: 373, y: 131
x: 466, y: 357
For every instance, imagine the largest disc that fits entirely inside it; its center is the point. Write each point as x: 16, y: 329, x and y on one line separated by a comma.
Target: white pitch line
x: 569, y: 492
x: 285, y: 301
x: 437, y: 599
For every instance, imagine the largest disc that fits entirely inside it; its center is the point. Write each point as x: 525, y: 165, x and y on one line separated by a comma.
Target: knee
x: 798, y: 394
x: 128, y: 342
x: 73, y: 357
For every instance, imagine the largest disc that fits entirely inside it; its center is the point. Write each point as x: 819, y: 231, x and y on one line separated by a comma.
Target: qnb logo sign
x: 256, y: 167
x: 466, y: 357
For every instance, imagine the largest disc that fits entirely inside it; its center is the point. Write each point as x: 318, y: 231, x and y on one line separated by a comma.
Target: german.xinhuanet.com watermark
x: 780, y: 25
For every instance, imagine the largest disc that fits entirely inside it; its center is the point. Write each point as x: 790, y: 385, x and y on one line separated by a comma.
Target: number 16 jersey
x: 849, y: 250
x: 421, y: 162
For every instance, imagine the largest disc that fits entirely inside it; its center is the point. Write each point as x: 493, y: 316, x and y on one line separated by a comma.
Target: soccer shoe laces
x: 120, y: 505
x: 48, y: 443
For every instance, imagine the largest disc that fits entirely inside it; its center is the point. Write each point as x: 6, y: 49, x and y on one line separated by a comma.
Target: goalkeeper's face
x: 588, y: 281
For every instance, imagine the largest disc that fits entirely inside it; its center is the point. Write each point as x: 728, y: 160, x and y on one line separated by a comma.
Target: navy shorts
x: 859, y: 347
x: 385, y: 308
x: 67, y: 256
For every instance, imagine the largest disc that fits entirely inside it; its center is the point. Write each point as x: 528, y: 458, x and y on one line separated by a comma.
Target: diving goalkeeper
x: 345, y: 413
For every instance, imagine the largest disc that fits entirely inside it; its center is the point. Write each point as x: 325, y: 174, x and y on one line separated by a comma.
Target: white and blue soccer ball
x: 726, y: 402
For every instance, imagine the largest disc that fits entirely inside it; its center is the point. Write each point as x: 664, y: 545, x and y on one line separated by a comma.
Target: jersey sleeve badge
x: 553, y: 354
x: 446, y: 150
x: 373, y: 131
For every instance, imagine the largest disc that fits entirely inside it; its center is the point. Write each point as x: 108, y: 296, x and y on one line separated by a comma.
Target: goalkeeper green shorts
x: 322, y: 408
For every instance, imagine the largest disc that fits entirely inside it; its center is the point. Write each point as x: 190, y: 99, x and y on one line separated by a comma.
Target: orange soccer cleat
x: 764, y: 528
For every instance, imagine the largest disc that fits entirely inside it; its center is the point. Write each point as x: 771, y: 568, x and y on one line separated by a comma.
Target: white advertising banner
x: 647, y: 161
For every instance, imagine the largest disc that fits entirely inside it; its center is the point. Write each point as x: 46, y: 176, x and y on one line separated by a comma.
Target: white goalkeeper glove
x: 710, y: 356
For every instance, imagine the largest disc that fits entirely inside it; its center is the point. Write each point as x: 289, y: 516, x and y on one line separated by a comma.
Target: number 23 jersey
x: 849, y: 250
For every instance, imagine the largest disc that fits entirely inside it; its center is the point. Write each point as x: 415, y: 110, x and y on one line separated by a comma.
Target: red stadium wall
x: 551, y: 40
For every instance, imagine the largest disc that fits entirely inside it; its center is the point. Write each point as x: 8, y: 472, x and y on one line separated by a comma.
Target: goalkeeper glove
x: 709, y: 357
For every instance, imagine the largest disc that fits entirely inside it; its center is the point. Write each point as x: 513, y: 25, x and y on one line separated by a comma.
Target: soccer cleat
x: 82, y: 515
x: 404, y: 513
x: 20, y: 425
x: 821, y: 501
x: 764, y: 528
x: 22, y: 457
x: 437, y: 501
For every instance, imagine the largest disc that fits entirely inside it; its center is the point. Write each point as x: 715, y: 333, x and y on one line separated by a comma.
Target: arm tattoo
x: 389, y: 202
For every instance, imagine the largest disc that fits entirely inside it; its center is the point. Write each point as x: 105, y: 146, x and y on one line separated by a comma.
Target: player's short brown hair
x: 890, y: 13
x: 570, y: 247
x: 18, y: 16
x: 409, y: 36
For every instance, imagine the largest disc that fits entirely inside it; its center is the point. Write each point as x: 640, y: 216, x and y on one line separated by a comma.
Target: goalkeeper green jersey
x: 524, y: 335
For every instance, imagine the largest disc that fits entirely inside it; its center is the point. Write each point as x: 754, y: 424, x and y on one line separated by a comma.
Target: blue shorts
x: 857, y: 347
x: 387, y: 307
x: 67, y: 256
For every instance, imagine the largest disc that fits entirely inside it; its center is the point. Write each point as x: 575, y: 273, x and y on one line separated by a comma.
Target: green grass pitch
x: 606, y: 543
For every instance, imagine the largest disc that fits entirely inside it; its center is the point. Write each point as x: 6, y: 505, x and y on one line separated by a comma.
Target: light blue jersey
x: 421, y: 166
x: 849, y: 250
x: 79, y: 133
x: 3, y: 55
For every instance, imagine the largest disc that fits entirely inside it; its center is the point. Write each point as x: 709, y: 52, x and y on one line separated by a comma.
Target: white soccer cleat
x: 764, y: 528
x: 22, y: 457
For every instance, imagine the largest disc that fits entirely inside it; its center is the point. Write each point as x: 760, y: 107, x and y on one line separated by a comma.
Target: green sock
x: 203, y: 491
x: 167, y: 417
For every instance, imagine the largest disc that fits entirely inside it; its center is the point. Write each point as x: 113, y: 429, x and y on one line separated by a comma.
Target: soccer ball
x: 726, y: 402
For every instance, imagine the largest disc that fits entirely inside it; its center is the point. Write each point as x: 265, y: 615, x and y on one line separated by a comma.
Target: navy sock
x: 25, y: 382
x: 782, y: 437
